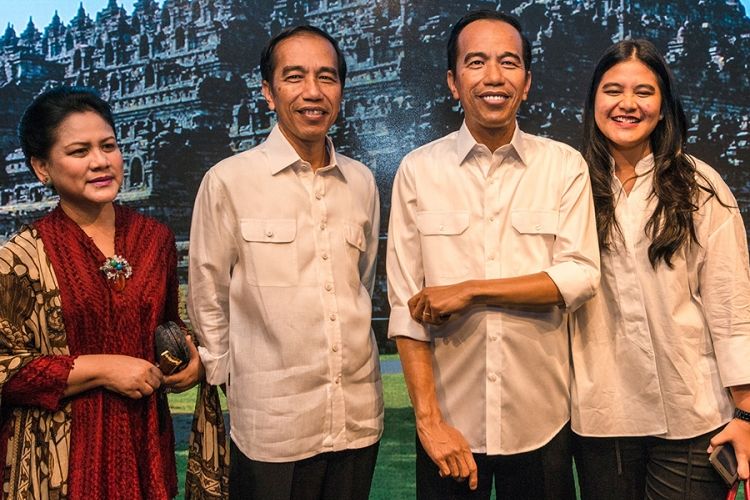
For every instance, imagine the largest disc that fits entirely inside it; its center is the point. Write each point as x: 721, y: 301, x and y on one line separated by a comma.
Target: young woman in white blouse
x: 662, y: 353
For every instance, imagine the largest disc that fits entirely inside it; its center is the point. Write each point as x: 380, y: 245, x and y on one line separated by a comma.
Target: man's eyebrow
x: 290, y: 69
x: 472, y: 55
x: 483, y: 55
x: 324, y: 69
x: 328, y: 69
x: 510, y: 54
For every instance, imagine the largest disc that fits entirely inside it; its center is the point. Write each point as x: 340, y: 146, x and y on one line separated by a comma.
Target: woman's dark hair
x: 37, y: 130
x: 677, y: 183
x: 492, y: 15
x: 268, y: 63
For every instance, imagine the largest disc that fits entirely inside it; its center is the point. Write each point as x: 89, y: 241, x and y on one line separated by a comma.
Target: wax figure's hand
x: 447, y: 447
x: 131, y: 377
x: 434, y: 304
x: 188, y: 376
x: 738, y: 433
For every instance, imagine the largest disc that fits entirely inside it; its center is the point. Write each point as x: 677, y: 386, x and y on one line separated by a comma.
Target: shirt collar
x: 465, y: 143
x: 643, y: 166
x: 282, y: 154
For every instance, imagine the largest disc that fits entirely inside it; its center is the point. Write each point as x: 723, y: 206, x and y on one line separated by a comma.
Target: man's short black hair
x: 493, y: 15
x: 267, y: 62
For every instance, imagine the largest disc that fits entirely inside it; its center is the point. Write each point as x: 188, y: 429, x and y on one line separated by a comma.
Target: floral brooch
x: 117, y: 270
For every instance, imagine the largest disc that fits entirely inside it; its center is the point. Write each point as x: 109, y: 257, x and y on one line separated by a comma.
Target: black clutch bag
x: 171, y: 348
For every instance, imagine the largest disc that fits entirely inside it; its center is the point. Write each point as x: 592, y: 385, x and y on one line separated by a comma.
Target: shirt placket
x: 332, y: 324
x: 629, y: 212
x: 493, y: 321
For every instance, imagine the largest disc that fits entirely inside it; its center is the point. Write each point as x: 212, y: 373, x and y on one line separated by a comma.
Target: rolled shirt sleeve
x: 575, y: 267
x: 404, y: 257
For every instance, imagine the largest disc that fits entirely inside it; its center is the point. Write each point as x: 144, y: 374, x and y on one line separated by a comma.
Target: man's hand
x: 738, y: 433
x: 188, y: 376
x: 434, y: 304
x: 447, y: 447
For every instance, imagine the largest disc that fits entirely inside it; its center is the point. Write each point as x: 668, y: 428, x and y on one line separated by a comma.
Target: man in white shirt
x: 282, y: 258
x: 492, y: 241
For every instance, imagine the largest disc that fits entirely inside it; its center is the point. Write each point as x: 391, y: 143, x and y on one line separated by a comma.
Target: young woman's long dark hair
x: 677, y: 183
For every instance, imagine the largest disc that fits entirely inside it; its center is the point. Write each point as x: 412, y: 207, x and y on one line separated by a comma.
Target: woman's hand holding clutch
x: 188, y: 376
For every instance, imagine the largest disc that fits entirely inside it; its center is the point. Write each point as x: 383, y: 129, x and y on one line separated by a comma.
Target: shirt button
x: 492, y: 219
x: 538, y: 227
x: 269, y: 233
x: 332, y: 317
x: 442, y: 228
x: 318, y: 195
x: 338, y: 379
x: 322, y: 225
x: 324, y: 256
x: 335, y: 348
x: 492, y: 257
x: 491, y: 377
x: 329, y: 287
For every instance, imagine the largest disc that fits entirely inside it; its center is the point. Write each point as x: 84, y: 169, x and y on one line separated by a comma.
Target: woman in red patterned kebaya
x: 81, y: 292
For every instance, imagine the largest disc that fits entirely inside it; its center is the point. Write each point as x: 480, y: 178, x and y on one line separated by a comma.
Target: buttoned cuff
x: 731, y: 356
x: 401, y: 324
x: 575, y: 283
x: 215, y: 366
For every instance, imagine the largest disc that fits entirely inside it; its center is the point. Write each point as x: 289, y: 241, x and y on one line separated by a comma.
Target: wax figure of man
x: 492, y: 241
x: 282, y: 257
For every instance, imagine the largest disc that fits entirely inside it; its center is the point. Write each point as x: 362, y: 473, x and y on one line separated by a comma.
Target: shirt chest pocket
x: 355, y: 236
x: 535, y: 233
x: 271, y: 245
x: 445, y: 249
x: 355, y: 245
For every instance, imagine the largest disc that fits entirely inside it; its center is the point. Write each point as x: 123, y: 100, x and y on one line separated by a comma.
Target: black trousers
x: 634, y: 468
x: 340, y: 475
x: 542, y: 474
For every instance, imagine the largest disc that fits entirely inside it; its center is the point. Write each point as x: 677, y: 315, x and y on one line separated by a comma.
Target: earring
x: 47, y: 182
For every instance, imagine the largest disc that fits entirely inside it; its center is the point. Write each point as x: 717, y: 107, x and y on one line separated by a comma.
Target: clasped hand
x: 434, y: 305
x: 131, y: 377
x: 136, y: 378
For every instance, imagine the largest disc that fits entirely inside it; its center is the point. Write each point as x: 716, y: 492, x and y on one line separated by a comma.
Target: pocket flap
x: 269, y: 230
x: 442, y: 222
x: 355, y: 236
x: 535, y: 221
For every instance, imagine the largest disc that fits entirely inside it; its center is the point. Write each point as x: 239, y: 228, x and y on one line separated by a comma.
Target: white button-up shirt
x: 282, y: 263
x: 655, y: 349
x: 460, y: 212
